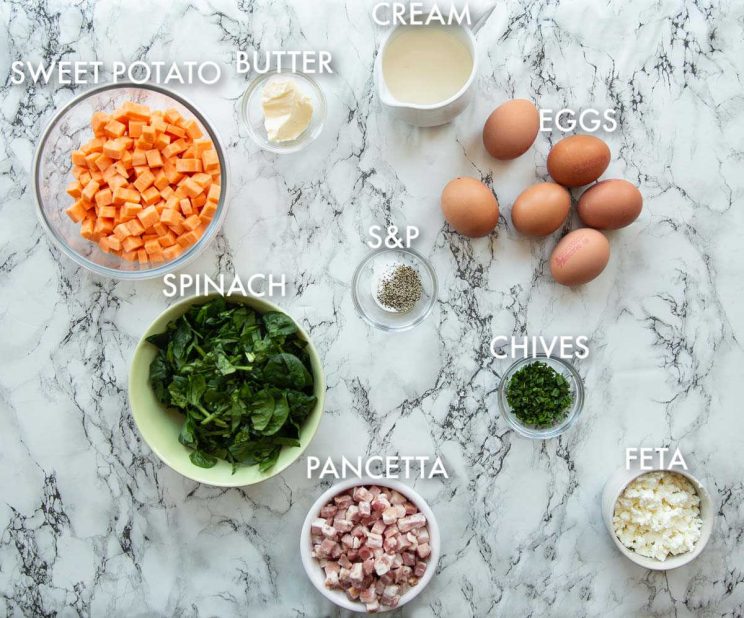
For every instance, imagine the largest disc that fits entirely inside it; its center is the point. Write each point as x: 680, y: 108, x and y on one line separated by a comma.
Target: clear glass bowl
x: 253, y: 116
x: 577, y: 392
x: 366, y: 280
x: 52, y: 167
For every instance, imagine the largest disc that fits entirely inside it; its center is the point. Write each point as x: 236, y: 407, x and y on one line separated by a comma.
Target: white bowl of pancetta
x: 370, y: 545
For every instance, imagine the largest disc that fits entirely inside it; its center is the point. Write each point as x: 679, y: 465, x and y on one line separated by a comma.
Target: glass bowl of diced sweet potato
x: 129, y: 180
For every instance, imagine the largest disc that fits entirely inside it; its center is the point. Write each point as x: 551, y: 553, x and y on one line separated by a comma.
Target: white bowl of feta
x: 660, y: 519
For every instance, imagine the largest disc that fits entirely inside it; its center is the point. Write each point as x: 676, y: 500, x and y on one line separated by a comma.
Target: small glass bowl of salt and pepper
x: 394, y: 289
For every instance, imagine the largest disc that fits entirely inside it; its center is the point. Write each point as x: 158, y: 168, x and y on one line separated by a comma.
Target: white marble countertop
x: 92, y: 524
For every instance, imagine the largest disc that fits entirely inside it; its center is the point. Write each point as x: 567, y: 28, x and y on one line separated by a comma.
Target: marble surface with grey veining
x: 93, y: 524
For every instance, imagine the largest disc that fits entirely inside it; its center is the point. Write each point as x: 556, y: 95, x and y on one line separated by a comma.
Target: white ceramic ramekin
x: 316, y: 573
x: 615, y: 487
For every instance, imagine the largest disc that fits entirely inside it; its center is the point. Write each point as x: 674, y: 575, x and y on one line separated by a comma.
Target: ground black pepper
x: 401, y: 289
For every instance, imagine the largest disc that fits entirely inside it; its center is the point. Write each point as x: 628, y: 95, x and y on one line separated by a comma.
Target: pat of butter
x: 287, y: 112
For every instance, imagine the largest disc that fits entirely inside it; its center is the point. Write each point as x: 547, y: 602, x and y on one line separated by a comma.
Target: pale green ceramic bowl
x: 160, y: 426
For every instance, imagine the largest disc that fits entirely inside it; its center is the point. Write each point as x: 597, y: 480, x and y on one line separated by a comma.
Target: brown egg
x: 511, y: 129
x: 578, y: 160
x: 541, y: 209
x: 610, y: 204
x: 470, y: 207
x: 579, y: 257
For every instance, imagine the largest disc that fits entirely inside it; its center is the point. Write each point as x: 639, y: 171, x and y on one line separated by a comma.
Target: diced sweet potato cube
x: 114, y: 149
x: 161, y: 181
x: 191, y: 188
x: 121, y: 231
x: 130, y: 243
x: 174, y: 148
x: 103, y: 225
x: 103, y: 243
x: 129, y: 256
x: 148, y: 135
x: 135, y: 128
x: 103, y: 162
x: 172, y: 202
x: 172, y: 115
x: 104, y: 197
x: 192, y: 222
x: 172, y: 252
x: 142, y: 256
x: 192, y: 129
x: 144, y: 181
x: 202, y: 145
x: 135, y: 228
x: 168, y: 239
x: 129, y: 210
x: 202, y: 179
x: 98, y: 121
x: 175, y: 130
x: 139, y: 158
x: 172, y: 175
x: 185, y: 205
x: 90, y: 159
x: 199, y: 200
x: 214, y: 193
x: 153, y: 246
x: 153, y: 158
x: 150, y: 196
x: 114, y: 128
x: 210, y: 160
x: 84, y: 179
x: 114, y: 243
x: 170, y: 217
x: 90, y: 190
x: 208, y: 211
x: 123, y: 194
x: 107, y: 211
x: 94, y: 145
x: 188, y: 166
x: 78, y: 158
x: 187, y: 239
x: 119, y: 114
x: 148, y: 217
x: 117, y: 181
x: 77, y: 212
x: 162, y: 140
x: 74, y: 189
x: 136, y: 111
x: 86, y: 229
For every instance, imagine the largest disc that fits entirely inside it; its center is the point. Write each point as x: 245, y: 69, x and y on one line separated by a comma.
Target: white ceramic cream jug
x: 428, y: 115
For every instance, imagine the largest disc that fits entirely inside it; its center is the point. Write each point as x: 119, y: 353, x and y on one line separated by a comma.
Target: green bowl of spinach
x: 227, y: 391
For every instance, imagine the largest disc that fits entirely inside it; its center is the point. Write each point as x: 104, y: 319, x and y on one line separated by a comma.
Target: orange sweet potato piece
x: 214, y: 193
x: 148, y: 217
x: 77, y: 212
x: 104, y: 197
x: 192, y: 222
x: 78, y: 158
x: 210, y: 160
x: 89, y: 192
x: 130, y: 243
x: 74, y: 189
x: 144, y: 180
x: 150, y: 196
x: 114, y: 128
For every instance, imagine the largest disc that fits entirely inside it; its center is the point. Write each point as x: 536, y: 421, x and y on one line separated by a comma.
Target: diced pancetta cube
x: 332, y: 574
x: 416, y: 520
x: 423, y: 551
x: 402, y: 574
x: 390, y: 544
x: 353, y: 592
x: 365, y: 508
x: 356, y: 574
x: 352, y: 513
x: 419, y: 569
x: 387, y: 578
x: 378, y: 527
x: 316, y: 539
x: 375, y: 490
x: 352, y: 555
x: 365, y: 552
x: 391, y: 531
x: 328, y: 511
x: 344, y: 561
x: 329, y: 532
x: 380, y: 503
x: 342, y: 525
x: 390, y: 596
x: 373, y: 606
x: 362, y: 494
x: 389, y: 515
x: 412, y: 539
x: 422, y: 534
x: 403, y: 542
x: 379, y: 587
x: 347, y: 540
x: 317, y: 526
x: 325, y: 549
x: 411, y: 509
x: 383, y: 564
x: 397, y: 561
x: 374, y: 540
x: 336, y: 551
x: 368, y: 566
x: 359, y: 531
x: 343, y: 501
x: 368, y: 595
x: 409, y: 559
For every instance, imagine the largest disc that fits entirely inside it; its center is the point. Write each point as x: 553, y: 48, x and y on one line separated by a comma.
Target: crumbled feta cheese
x: 658, y: 515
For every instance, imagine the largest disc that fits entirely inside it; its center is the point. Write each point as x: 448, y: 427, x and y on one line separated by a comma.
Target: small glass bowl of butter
x: 283, y: 111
